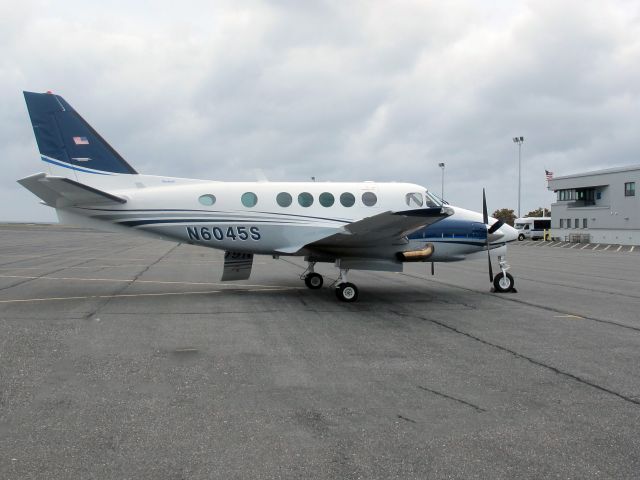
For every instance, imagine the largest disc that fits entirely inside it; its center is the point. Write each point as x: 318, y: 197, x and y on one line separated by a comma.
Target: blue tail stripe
x: 66, y: 165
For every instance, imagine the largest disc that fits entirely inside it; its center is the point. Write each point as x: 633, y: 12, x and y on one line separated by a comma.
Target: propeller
x: 485, y: 219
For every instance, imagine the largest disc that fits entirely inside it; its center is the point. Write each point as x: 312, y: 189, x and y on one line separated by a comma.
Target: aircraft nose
x: 510, y: 233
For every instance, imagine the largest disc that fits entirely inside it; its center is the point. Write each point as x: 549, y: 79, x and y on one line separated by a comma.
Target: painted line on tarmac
x: 585, y: 246
x: 121, y: 280
x: 568, y: 316
x: 620, y: 247
x: 607, y: 247
x: 134, y: 295
x: 632, y: 247
x: 574, y: 246
x: 596, y: 247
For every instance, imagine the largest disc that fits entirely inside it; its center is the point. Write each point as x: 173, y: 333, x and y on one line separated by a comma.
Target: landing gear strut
x: 503, y: 282
x: 312, y: 279
x: 345, y: 291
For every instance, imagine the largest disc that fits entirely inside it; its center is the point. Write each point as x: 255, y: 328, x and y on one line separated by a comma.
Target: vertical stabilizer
x: 68, y: 143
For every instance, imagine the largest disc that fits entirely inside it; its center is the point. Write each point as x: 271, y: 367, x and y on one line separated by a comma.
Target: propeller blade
x: 490, y: 267
x: 485, y: 217
x: 485, y: 214
x: 496, y: 226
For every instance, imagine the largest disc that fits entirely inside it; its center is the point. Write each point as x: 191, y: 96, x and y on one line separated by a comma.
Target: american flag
x: 548, y: 174
x: 80, y: 140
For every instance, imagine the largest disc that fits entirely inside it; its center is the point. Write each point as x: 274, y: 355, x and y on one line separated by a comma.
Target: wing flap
x: 64, y: 192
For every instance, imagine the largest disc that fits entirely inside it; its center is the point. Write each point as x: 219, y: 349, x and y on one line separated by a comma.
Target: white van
x: 532, y: 227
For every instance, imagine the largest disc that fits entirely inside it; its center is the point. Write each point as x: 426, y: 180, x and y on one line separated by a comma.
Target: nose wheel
x: 503, y: 282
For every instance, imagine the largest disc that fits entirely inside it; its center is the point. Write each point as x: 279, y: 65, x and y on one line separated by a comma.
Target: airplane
x: 355, y: 225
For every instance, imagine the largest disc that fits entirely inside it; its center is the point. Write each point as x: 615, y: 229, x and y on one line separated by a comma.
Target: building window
x: 369, y: 199
x: 568, y: 223
x: 347, y: 199
x: 284, y: 199
x: 326, y: 199
x: 598, y: 195
x: 576, y: 223
x: 207, y: 200
x: 249, y: 199
x: 630, y: 189
x: 305, y: 199
x: 584, y: 223
x: 562, y: 223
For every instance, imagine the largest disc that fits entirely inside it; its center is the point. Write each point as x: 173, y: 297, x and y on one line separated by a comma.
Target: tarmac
x: 124, y: 357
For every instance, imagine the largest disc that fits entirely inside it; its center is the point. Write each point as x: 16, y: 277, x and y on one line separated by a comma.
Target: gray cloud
x: 340, y: 91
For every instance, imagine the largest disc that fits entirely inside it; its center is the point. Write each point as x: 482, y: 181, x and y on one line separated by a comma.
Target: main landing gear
x: 345, y: 291
x: 503, y: 282
x: 312, y: 279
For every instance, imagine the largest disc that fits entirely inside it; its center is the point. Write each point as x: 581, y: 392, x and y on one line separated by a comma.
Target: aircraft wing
x: 64, y: 192
x: 384, y: 226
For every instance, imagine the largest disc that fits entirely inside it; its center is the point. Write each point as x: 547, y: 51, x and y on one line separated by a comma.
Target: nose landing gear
x: 503, y: 282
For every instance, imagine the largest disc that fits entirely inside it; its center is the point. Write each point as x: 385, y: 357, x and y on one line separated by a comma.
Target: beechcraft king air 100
x: 356, y: 226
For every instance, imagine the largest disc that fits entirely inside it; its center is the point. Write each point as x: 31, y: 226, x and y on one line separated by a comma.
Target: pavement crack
x: 444, y: 395
x: 530, y: 360
x: 406, y: 419
x: 523, y: 302
x: 128, y: 284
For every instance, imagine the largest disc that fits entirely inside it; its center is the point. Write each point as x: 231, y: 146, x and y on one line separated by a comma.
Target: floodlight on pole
x: 441, y: 165
x: 519, y: 141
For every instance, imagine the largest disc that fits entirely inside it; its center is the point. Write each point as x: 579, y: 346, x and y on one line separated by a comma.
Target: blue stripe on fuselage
x: 452, y: 228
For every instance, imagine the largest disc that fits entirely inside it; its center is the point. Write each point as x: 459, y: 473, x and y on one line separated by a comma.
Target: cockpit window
x: 413, y: 199
x: 431, y: 200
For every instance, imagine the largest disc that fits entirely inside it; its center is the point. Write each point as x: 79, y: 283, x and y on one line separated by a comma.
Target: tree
x: 539, y: 212
x: 507, y: 215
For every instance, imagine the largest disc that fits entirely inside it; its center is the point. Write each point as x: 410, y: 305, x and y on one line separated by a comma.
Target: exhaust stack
x: 421, y: 255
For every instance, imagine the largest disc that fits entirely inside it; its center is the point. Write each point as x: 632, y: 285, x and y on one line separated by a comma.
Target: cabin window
x: 207, y: 200
x: 284, y: 199
x: 347, y: 199
x: 369, y: 199
x: 326, y: 199
x: 413, y: 199
x: 249, y: 199
x: 305, y: 199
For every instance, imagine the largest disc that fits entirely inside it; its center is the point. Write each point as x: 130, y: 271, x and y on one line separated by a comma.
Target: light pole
x: 519, y: 141
x: 441, y: 165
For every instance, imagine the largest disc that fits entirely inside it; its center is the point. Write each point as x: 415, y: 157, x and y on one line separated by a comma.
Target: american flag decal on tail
x: 80, y: 140
x: 548, y: 174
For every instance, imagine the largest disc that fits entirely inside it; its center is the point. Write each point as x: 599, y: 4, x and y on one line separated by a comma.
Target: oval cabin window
x: 207, y: 200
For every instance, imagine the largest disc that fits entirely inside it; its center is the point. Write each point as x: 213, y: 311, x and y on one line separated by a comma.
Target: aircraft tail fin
x: 62, y: 192
x: 66, y: 140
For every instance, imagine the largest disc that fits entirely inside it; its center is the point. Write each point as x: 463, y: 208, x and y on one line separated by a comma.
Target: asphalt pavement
x: 124, y: 357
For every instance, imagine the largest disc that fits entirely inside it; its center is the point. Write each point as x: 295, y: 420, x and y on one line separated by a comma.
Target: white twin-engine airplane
x: 356, y: 226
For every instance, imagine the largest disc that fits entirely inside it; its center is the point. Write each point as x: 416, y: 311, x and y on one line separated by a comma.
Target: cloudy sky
x: 356, y: 90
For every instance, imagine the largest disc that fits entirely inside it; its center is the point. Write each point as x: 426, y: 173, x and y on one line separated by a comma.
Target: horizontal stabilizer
x: 61, y: 192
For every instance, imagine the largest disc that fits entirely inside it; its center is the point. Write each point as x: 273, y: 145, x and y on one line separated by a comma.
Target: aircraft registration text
x: 222, y: 233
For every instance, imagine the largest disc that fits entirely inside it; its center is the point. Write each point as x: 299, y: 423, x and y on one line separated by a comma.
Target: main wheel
x: 503, y: 283
x: 313, y: 281
x: 521, y: 237
x: 347, y: 292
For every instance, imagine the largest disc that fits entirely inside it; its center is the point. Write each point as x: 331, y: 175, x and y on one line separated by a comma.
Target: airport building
x: 597, y: 207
